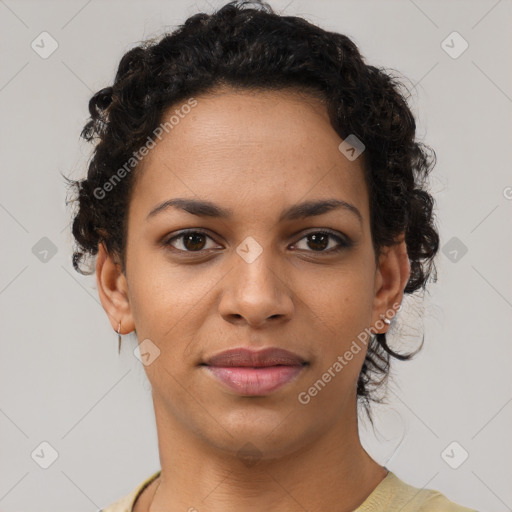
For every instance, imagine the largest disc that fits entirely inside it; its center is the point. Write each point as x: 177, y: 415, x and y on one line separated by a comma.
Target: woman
x: 257, y: 210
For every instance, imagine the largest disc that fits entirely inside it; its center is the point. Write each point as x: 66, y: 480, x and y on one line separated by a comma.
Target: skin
x: 256, y: 153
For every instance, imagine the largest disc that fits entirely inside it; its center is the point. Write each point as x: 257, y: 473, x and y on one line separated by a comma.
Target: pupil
x: 315, y: 239
x: 195, y: 239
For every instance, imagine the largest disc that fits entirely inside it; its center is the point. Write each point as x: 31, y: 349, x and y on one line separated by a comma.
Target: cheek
x: 161, y: 294
x: 337, y: 329
x: 340, y: 301
x: 170, y: 306
x: 340, y: 310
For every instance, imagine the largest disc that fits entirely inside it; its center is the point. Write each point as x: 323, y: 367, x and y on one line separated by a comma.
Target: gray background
x: 62, y: 381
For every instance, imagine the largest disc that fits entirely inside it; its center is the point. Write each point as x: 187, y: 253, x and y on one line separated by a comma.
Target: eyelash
x: 342, y: 242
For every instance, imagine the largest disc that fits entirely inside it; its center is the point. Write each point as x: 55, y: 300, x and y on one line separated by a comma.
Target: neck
x: 332, y: 471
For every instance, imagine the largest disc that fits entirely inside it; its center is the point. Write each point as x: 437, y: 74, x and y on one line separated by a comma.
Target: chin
x: 254, y: 436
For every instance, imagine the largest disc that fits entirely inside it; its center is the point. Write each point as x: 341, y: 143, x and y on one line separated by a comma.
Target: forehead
x: 258, y: 148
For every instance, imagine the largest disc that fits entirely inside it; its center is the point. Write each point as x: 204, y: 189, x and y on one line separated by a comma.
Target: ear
x: 391, y: 277
x: 113, y: 291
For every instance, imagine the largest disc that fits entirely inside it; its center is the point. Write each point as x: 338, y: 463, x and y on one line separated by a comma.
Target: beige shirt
x: 391, y: 495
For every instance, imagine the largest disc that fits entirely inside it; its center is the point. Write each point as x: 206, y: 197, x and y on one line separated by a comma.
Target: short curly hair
x: 247, y: 45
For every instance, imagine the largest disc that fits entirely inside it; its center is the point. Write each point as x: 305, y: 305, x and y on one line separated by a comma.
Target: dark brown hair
x: 248, y: 45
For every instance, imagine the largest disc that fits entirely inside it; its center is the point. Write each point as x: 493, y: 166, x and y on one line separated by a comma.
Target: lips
x: 244, y: 357
x: 255, y: 373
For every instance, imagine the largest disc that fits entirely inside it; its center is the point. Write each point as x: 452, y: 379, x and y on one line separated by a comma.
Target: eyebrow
x: 203, y: 208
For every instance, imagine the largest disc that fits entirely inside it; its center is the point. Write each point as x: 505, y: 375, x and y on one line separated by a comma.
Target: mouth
x: 255, y: 373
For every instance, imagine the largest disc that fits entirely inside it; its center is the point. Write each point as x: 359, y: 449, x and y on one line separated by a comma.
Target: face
x: 261, y: 275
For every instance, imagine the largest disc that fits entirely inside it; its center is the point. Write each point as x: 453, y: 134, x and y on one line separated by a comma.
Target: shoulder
x: 393, y: 494
x: 437, y: 502
x: 125, y: 504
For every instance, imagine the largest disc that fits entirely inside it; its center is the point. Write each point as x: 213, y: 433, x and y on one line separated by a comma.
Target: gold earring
x: 119, y: 339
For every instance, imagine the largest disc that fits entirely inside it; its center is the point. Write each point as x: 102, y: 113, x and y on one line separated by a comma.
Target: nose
x: 256, y: 293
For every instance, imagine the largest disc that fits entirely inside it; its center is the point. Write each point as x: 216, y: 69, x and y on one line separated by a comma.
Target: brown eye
x: 319, y: 241
x: 189, y: 241
x: 194, y: 241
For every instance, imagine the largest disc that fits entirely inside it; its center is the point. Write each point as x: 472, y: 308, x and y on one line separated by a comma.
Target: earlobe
x: 113, y: 291
x: 392, y: 277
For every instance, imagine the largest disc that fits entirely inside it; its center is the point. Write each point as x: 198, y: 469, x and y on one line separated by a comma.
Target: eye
x: 189, y: 241
x: 322, y: 241
x: 319, y: 242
